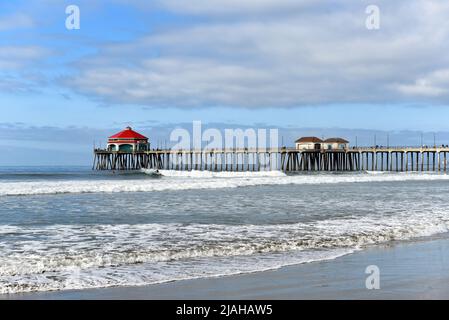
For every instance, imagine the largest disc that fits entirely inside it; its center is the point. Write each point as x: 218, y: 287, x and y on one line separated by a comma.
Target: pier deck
x: 400, y: 159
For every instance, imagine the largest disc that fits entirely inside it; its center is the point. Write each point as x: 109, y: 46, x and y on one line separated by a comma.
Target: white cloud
x: 435, y: 84
x: 15, y: 57
x: 15, y: 21
x: 222, y: 7
x: 294, y: 57
x: 18, y: 68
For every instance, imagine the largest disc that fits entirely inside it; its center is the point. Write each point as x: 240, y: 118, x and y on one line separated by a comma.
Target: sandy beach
x: 408, y: 270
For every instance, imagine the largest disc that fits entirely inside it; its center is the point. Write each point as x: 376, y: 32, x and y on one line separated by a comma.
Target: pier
x: 394, y: 159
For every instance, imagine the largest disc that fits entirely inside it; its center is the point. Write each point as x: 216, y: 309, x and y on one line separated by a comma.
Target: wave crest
x: 87, y: 256
x: 179, y: 180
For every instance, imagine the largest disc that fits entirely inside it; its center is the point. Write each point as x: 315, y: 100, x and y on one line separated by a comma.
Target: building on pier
x: 128, y: 140
x: 314, y: 143
x: 335, y: 144
x: 308, y: 143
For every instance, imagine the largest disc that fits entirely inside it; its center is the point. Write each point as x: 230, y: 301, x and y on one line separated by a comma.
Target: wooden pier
x: 399, y: 159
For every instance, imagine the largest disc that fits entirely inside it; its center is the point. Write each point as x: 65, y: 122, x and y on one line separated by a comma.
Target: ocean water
x: 72, y: 228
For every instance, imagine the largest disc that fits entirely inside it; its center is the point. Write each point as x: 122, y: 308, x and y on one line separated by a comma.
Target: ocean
x: 72, y: 228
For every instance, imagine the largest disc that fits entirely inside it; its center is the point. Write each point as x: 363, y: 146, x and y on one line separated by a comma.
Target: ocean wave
x: 221, y: 174
x: 178, y: 180
x: 145, y: 274
x: 87, y: 256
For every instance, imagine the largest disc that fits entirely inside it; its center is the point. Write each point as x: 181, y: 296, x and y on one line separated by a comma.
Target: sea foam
x: 87, y: 256
x: 188, y: 180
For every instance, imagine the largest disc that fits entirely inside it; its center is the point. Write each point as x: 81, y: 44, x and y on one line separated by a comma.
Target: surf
x: 195, y: 180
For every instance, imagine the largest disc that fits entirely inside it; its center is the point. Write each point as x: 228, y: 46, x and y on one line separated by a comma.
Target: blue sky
x: 303, y: 66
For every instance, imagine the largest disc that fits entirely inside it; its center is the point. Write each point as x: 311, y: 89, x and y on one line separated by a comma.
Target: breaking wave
x: 88, y: 256
x: 179, y: 180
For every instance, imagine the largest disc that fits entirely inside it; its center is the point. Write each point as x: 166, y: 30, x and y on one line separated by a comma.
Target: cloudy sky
x: 304, y: 66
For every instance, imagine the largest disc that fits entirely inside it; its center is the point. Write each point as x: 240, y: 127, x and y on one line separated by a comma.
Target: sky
x: 302, y: 66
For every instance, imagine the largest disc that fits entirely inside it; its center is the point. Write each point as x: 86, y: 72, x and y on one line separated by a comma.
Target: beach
x: 410, y: 270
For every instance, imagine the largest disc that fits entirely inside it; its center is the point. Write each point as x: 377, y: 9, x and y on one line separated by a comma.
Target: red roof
x: 308, y: 139
x: 128, y: 133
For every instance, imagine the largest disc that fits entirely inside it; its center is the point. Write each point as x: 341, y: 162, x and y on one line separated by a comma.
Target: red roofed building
x: 336, y: 143
x: 128, y: 140
x: 308, y: 143
x: 314, y: 143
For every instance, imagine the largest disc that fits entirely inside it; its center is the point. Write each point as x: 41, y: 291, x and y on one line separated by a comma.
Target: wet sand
x: 413, y: 270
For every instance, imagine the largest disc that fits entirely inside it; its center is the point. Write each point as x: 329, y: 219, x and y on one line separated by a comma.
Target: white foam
x: 87, y: 256
x: 144, y: 274
x: 178, y: 180
x: 221, y: 174
x: 151, y: 172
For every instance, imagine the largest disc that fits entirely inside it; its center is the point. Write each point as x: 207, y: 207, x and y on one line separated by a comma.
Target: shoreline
x: 405, y: 273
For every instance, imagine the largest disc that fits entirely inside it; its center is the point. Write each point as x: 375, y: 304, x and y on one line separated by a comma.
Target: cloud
x: 13, y: 84
x: 23, y: 144
x: 19, y: 71
x: 322, y: 55
x: 434, y: 85
x: 17, y: 57
x: 15, y: 21
x: 250, y: 54
x: 69, y: 136
x: 226, y: 7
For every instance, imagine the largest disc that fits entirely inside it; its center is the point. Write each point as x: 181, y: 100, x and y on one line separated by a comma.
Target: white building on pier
x: 315, y: 143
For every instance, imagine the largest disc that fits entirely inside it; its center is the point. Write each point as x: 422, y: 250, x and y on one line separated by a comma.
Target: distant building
x: 314, y: 143
x: 308, y: 143
x: 128, y: 140
x: 335, y: 143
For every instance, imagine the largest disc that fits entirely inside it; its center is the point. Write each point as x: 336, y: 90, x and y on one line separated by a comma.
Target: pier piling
x: 397, y: 159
